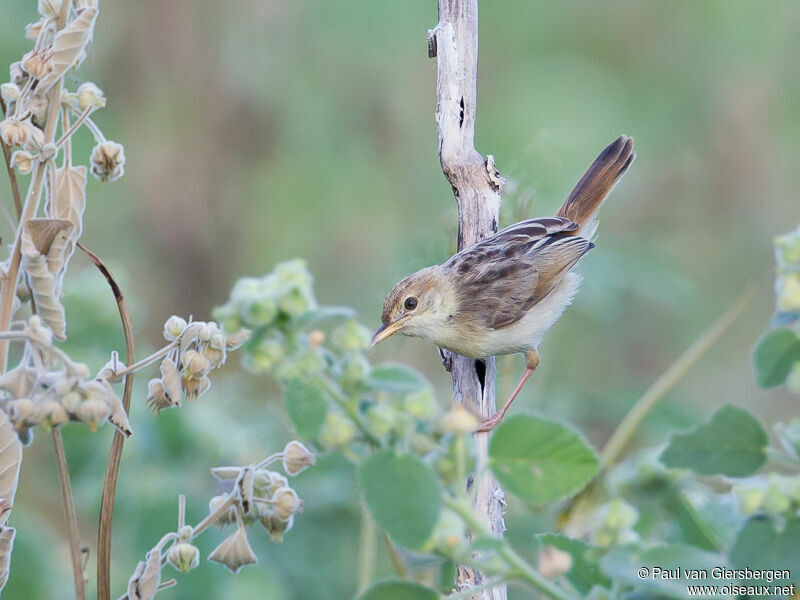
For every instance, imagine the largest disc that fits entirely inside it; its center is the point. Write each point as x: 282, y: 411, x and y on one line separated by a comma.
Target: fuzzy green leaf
x: 399, y: 590
x: 305, y: 404
x: 732, y: 443
x: 402, y: 495
x: 395, y: 378
x: 774, y: 356
x: 540, y: 461
x: 759, y: 545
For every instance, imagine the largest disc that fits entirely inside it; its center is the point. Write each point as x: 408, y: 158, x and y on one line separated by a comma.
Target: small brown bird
x: 501, y: 295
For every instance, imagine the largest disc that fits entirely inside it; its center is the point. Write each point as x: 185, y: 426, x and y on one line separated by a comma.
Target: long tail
x: 598, y: 181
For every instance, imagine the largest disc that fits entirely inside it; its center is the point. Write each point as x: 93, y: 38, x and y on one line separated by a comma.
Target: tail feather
x: 598, y: 181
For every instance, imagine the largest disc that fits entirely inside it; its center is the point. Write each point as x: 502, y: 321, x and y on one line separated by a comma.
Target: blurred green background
x: 260, y: 130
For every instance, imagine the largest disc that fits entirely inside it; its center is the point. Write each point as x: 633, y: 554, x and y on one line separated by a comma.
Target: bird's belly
x: 527, y: 333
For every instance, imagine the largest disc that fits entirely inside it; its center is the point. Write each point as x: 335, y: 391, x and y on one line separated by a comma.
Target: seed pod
x: 108, y: 161
x: 276, y: 527
x: 286, y: 503
x: 234, y: 552
x: 90, y: 95
x: 174, y: 327
x: 13, y: 132
x: 227, y: 517
x: 172, y: 381
x: 297, y: 458
x: 93, y: 413
x: 184, y: 556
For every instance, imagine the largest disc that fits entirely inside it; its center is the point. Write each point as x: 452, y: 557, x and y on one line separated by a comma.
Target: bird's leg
x: 531, y: 362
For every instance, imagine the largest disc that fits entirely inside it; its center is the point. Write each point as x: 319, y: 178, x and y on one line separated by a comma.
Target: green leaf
x: 395, y: 378
x: 399, y: 590
x: 402, y: 495
x: 540, y: 461
x: 585, y: 572
x: 774, y: 356
x: 305, y: 404
x: 759, y: 545
x: 662, y: 578
x: 733, y: 443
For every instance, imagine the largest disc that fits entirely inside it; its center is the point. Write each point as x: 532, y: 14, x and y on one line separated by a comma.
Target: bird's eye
x: 410, y: 303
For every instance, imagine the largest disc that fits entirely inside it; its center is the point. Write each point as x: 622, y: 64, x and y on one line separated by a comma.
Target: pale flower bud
x: 234, y: 552
x: 194, y: 364
x: 286, y: 503
x: 184, y: 556
x: 90, y: 95
x: 23, y: 161
x: 93, y: 412
x: 173, y: 328
x: 14, y: 132
x: 297, y: 458
x: 554, y: 562
x: 10, y: 92
x: 459, y: 420
x: 39, y: 63
x: 54, y: 413
x: 35, y: 138
x: 71, y: 401
x: 23, y: 411
x: 108, y: 161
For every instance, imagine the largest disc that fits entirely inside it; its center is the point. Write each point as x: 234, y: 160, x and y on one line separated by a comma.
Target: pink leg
x: 532, y: 361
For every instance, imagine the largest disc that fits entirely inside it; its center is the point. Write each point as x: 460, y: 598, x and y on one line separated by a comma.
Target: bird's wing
x: 501, y: 278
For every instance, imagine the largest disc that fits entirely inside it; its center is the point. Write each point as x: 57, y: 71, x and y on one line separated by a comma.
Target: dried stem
x: 12, y: 174
x: 115, y: 454
x: 69, y: 514
x: 476, y: 185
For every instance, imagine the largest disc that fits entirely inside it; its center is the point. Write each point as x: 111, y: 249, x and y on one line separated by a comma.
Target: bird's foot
x: 487, y: 425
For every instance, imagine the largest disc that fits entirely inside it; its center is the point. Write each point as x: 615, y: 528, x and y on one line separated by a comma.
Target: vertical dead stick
x: 476, y: 186
x: 115, y: 455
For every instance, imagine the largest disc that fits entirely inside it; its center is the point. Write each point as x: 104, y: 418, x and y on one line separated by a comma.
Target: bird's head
x: 420, y: 305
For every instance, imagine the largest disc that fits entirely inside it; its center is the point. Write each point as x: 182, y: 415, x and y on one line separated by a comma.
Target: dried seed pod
x: 228, y: 516
x: 69, y: 44
x: 143, y: 584
x: 194, y: 364
x: 36, y: 104
x: 235, y: 340
x: 14, y: 132
x: 157, y: 399
x: 19, y: 381
x: 33, y: 30
x: 226, y: 473
x: 38, y: 239
x: 196, y: 387
x: 244, y: 484
x: 23, y: 161
x: 286, y: 503
x: 234, y: 552
x: 276, y: 527
x: 71, y: 401
x: 297, y: 458
x: 172, y: 381
x: 39, y: 63
x: 108, y: 161
x: 24, y: 413
x: 10, y: 93
x: 119, y: 416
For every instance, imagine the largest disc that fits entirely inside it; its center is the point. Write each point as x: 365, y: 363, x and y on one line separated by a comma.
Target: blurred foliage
x: 302, y: 129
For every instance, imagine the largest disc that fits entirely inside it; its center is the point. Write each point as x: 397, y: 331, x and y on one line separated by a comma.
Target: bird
x: 501, y: 295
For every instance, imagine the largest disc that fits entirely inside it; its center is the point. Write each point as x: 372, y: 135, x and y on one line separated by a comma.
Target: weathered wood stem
x: 476, y: 185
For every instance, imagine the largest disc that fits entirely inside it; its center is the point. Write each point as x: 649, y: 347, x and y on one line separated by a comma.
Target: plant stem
x: 366, y: 551
x: 148, y: 360
x: 520, y: 567
x: 398, y: 564
x: 12, y: 174
x: 69, y: 514
x: 469, y: 592
x: 115, y: 454
x: 676, y: 371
